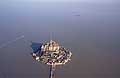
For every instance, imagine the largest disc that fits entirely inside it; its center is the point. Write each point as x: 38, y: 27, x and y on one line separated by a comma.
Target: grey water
x: 91, y: 30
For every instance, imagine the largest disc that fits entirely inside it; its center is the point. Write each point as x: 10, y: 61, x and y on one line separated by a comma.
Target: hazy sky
x: 67, y: 0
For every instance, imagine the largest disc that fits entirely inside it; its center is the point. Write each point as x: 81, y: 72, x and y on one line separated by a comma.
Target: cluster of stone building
x: 52, y: 53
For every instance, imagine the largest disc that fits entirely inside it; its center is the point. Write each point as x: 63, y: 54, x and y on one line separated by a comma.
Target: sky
x: 66, y: 0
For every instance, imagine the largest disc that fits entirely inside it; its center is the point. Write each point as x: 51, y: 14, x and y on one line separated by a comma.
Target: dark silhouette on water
x: 77, y: 15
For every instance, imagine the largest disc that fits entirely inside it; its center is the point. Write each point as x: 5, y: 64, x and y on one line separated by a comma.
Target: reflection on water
x: 93, y: 37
